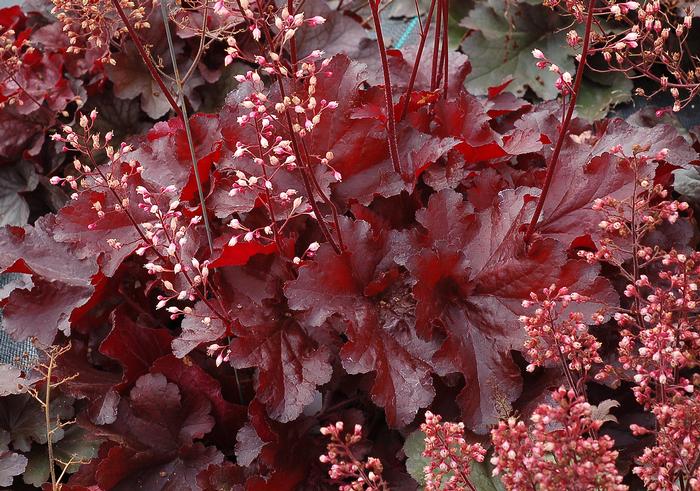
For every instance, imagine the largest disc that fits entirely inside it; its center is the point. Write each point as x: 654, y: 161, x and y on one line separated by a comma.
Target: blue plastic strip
x: 407, y: 33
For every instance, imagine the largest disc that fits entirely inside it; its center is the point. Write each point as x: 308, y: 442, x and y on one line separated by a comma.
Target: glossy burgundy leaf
x: 78, y: 223
x: 473, y: 294
x: 155, y: 434
x: 500, y: 102
x: 123, y: 470
x: 131, y: 77
x: 18, y: 134
x: 62, y: 281
x: 464, y: 118
x: 190, y: 192
x: 248, y: 445
x: 367, y: 180
x: 587, y: 171
x: 197, y: 331
x: 134, y: 346
x: 288, y: 454
x: 240, y: 253
x: 290, y: 362
x: 24, y: 250
x: 381, y: 340
x: 338, y: 34
x: 165, y: 153
x: 222, y: 477
x: 43, y: 310
x: 194, y: 382
x: 448, y: 219
x: 85, y: 380
x: 290, y: 366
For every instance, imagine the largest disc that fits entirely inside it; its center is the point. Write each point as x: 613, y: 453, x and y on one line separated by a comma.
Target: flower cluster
x: 627, y: 221
x: 671, y: 464
x: 96, y: 24
x: 564, y: 83
x: 552, y: 339
x: 113, y: 177
x: 648, y: 39
x: 279, y: 119
x: 449, y: 453
x: 558, y: 451
x: 661, y: 337
x: 164, y: 237
x: 13, y: 51
x: 345, y: 466
x: 274, y: 152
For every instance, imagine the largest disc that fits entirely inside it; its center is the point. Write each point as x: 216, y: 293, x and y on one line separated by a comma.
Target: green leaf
x: 415, y: 462
x: 596, y: 99
x: 498, y: 48
x: 75, y: 446
x: 480, y: 475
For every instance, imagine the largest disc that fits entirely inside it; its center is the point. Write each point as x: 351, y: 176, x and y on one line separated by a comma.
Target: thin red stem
x: 390, y: 115
x: 436, y: 47
x: 445, y: 46
x: 563, y: 133
x: 146, y: 58
x: 419, y: 55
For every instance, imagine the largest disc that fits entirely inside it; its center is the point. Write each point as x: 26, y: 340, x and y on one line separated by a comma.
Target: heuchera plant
x: 341, y: 244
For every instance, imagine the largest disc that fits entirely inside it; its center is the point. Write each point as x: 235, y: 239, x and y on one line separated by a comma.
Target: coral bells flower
x: 449, y: 454
x: 345, y: 467
x: 671, y: 464
x: 553, y: 340
x: 664, y: 338
x: 545, y: 457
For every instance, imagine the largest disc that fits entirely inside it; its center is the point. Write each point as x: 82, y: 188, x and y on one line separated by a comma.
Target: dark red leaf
x: 134, y: 346
x: 222, y: 477
x: 165, y: 152
x: 196, y: 331
x: 381, y: 339
x: 240, y: 253
x: 155, y: 431
x: 194, y: 382
x: 11, y: 464
x: 290, y: 366
x: 586, y: 171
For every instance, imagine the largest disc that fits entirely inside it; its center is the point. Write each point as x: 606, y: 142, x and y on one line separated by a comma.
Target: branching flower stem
x: 180, y: 109
x: 186, y: 122
x: 53, y: 353
x: 307, y: 174
x: 564, y: 131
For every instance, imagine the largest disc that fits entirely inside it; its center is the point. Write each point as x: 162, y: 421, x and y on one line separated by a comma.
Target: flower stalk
x: 564, y: 131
